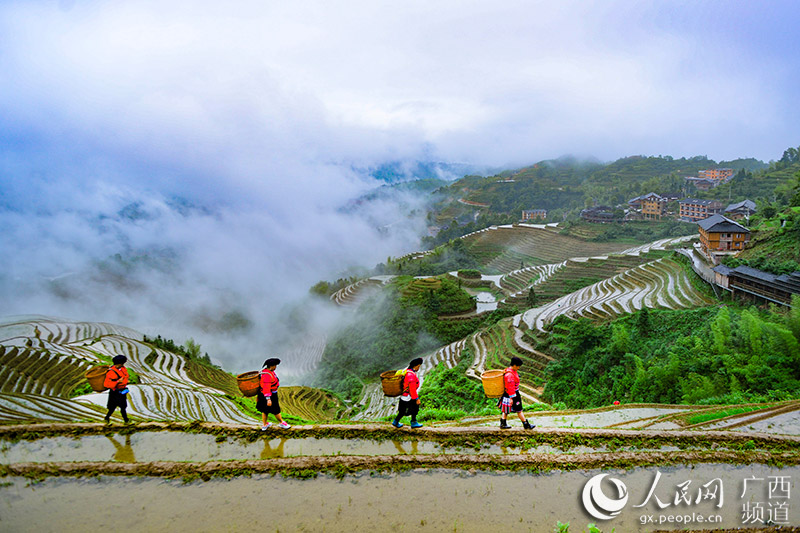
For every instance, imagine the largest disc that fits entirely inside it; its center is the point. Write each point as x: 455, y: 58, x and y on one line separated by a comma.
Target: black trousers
x: 410, y: 407
x: 117, y: 399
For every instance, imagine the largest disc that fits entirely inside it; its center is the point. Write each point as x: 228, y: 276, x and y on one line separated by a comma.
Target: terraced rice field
x: 557, y: 279
x: 309, y: 404
x: 302, y: 359
x: 39, y: 371
x: 610, y: 285
x: 44, y: 359
x: 575, y: 274
x: 493, y: 348
x: 355, y: 293
x: 422, y: 285
x: 517, y: 282
x: 659, y: 284
x: 502, y: 249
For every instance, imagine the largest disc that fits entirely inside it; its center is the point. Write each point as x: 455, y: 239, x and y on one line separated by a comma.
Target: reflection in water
x: 124, y: 454
x: 272, y: 453
x: 179, y: 446
x: 402, y: 450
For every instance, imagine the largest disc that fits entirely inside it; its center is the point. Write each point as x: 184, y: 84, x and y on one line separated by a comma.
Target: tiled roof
x: 721, y: 224
x: 751, y: 272
x: 723, y: 269
x: 786, y: 282
x: 749, y: 204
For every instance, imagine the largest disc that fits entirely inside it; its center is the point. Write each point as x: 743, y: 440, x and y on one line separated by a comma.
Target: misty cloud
x: 168, y: 267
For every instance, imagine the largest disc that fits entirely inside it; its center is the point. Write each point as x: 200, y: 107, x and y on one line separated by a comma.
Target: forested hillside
x: 565, y: 186
x: 717, y: 354
x: 395, y: 325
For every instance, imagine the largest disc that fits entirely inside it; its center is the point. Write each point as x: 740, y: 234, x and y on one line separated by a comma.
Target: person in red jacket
x: 116, y: 382
x: 267, y: 401
x: 511, y: 401
x: 409, y: 400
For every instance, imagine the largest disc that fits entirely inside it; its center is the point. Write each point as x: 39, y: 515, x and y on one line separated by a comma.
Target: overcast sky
x: 260, y: 110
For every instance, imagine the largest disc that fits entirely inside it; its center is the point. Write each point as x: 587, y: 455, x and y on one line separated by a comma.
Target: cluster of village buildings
x: 720, y: 235
x: 653, y: 206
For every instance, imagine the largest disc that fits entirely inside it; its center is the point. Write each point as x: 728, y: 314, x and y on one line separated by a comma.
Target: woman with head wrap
x: 511, y: 401
x: 116, y: 381
x: 409, y: 400
x: 267, y: 401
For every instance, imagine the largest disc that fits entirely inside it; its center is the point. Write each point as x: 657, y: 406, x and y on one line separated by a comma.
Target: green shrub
x: 719, y: 354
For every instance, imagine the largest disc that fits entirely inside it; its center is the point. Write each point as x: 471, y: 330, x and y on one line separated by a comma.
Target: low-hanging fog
x: 181, y: 167
x: 221, y: 272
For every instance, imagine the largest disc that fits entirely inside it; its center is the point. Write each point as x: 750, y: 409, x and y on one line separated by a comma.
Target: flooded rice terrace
x: 672, y: 498
x: 179, y: 446
x: 206, y: 477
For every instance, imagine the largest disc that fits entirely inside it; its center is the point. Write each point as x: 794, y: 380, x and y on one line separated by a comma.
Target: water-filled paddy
x: 419, y: 500
x: 180, y: 446
x: 626, y: 417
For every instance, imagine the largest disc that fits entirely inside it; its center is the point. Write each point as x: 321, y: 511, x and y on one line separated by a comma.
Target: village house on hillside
x: 701, y: 184
x: 757, y: 285
x: 654, y: 206
x: 531, y: 214
x: 694, y: 210
x: 650, y: 206
x: 601, y: 214
x: 716, y: 174
x: 710, y: 178
x: 636, y: 203
x: 741, y: 210
x: 721, y: 236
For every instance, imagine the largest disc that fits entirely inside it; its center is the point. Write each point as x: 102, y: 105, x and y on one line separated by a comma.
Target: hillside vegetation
x: 392, y: 327
x: 565, y: 186
x: 719, y: 354
x: 775, y: 243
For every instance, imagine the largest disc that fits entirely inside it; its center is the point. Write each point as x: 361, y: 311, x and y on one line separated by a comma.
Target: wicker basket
x: 249, y: 382
x: 392, y: 383
x: 97, y: 376
x: 493, y: 385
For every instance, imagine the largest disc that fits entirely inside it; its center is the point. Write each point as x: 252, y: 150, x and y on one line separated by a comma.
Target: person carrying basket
x: 267, y: 400
x: 116, y: 381
x: 511, y: 401
x: 409, y: 400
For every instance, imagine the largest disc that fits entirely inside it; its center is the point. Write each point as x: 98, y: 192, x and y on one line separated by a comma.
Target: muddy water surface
x: 180, y: 446
x: 419, y: 500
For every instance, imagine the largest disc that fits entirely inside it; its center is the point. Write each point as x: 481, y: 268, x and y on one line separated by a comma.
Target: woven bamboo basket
x: 249, y: 382
x: 493, y: 385
x: 96, y: 376
x: 392, y: 383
